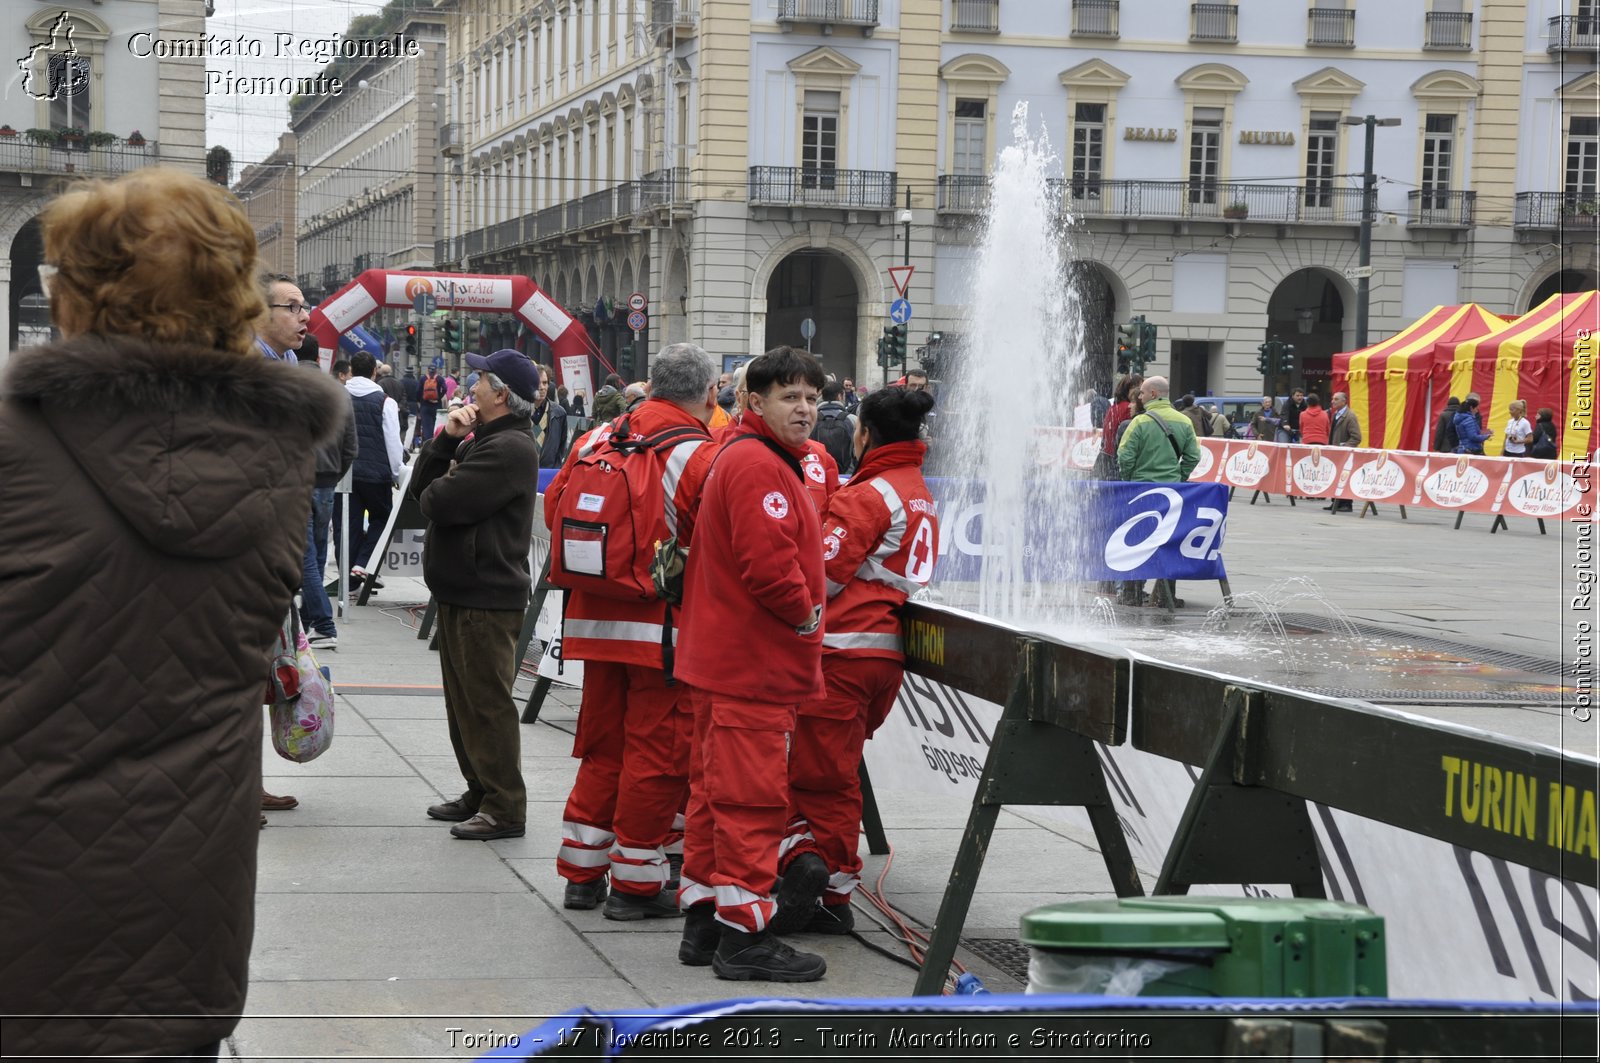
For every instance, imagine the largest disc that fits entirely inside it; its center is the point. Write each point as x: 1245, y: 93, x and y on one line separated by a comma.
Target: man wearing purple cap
x: 479, y: 500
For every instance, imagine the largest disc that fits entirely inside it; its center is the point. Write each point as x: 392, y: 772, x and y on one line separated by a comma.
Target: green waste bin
x: 1206, y: 947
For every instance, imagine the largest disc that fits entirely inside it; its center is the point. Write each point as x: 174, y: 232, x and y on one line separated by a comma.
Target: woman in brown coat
x: 155, y: 482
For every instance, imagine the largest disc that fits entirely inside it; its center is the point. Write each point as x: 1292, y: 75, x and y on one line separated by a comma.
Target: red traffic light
x: 411, y: 330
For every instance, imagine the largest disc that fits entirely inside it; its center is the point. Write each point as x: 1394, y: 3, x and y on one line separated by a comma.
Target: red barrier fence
x: 1467, y: 483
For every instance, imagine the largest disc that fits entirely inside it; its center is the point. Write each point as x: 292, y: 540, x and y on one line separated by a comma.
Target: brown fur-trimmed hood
x: 194, y: 447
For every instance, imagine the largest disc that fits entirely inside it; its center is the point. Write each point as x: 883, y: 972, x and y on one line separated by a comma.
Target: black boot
x: 798, y: 893
x: 763, y: 957
x: 701, y: 932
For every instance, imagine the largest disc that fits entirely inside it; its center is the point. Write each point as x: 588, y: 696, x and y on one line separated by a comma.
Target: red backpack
x: 616, y: 507
x: 430, y: 389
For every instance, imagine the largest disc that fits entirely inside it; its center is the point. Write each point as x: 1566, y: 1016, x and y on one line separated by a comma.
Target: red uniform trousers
x: 738, y: 804
x: 824, y: 784
x: 625, y: 807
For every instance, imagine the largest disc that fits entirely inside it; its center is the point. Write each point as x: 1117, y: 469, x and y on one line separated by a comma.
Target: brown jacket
x: 1346, y: 431
x: 155, y: 503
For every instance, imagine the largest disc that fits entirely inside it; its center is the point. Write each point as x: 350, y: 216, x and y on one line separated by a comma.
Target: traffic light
x: 1266, y: 362
x: 1285, y: 358
x: 625, y: 361
x: 1136, y: 345
x: 452, y: 335
x: 886, y: 346
x: 411, y: 341
x: 1147, y: 340
x: 897, y: 352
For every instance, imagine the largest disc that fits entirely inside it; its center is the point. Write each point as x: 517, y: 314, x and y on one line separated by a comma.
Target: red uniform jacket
x: 1314, y: 425
x: 597, y: 628
x: 755, y: 574
x: 879, y: 543
x: 822, y: 472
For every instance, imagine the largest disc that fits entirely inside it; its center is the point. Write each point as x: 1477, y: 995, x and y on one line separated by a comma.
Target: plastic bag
x: 302, y: 713
x: 1111, y: 976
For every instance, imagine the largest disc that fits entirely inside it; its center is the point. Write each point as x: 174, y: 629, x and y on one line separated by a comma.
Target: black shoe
x: 701, y: 933
x: 582, y: 896
x: 762, y: 957
x: 483, y: 827
x: 451, y: 811
x: 798, y: 893
x: 831, y: 919
x: 627, y: 907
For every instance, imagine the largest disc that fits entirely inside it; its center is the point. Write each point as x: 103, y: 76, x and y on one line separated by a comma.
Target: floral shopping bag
x: 302, y: 698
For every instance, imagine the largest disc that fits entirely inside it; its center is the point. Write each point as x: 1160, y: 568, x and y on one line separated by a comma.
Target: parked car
x: 1238, y: 409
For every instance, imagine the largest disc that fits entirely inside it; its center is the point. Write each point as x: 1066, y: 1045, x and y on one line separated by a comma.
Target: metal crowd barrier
x: 1263, y: 751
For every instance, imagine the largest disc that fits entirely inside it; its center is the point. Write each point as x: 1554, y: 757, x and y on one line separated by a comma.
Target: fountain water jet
x: 1024, y: 364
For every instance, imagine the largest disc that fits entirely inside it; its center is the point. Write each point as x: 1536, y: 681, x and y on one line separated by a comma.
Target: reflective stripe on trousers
x: 862, y: 640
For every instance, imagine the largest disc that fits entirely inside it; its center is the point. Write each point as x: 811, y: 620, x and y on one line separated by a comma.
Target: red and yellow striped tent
x: 1387, y: 383
x: 1545, y: 357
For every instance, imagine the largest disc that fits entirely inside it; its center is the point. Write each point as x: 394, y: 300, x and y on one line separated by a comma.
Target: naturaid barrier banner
x: 1471, y: 483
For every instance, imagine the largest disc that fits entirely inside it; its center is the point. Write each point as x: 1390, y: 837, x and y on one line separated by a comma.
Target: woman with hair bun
x: 879, y: 541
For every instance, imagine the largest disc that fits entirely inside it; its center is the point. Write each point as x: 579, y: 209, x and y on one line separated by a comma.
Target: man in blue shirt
x: 284, y: 328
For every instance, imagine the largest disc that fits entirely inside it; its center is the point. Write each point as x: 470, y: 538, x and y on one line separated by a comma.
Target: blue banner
x: 359, y: 339
x: 1092, y: 530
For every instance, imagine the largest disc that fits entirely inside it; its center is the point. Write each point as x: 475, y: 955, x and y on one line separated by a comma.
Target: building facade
x: 84, y: 101
x: 753, y: 166
x: 268, y: 192
x: 369, y: 183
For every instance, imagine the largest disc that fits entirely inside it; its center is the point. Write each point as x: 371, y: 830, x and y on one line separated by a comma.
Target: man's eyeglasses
x: 295, y: 309
x: 917, y: 387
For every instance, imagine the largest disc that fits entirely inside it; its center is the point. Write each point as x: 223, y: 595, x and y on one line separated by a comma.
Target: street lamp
x: 1369, y: 186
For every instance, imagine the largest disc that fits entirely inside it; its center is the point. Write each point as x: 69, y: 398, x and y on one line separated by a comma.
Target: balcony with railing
x: 803, y: 186
x: 1433, y: 208
x: 1097, y: 18
x: 828, y: 14
x: 962, y: 193
x: 661, y: 188
x: 1215, y: 23
x: 19, y: 155
x: 1210, y: 201
x: 1448, y: 31
x: 670, y: 17
x: 680, y: 13
x: 974, y: 16
x: 1573, y: 34
x: 450, y: 139
x: 1577, y: 211
x: 1331, y: 28
x: 550, y: 222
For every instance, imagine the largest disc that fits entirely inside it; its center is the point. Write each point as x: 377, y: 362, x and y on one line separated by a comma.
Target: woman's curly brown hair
x: 155, y: 253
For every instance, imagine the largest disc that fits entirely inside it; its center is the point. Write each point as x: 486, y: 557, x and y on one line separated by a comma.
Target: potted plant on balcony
x: 70, y: 137
x: 42, y: 137
x: 7, y: 131
x: 136, y: 139
x: 1238, y: 210
x: 99, y: 138
x: 1580, y: 213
